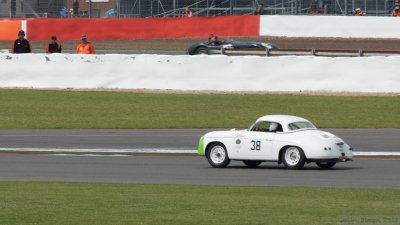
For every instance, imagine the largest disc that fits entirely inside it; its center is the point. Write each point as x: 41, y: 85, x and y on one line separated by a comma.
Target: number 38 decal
x: 256, y: 145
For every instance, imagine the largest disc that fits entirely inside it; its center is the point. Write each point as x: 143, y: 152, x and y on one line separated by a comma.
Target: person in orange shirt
x: 85, y: 47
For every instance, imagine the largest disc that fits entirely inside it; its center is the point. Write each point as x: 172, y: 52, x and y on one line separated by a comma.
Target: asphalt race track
x: 190, y: 169
x: 376, y: 140
x: 374, y: 172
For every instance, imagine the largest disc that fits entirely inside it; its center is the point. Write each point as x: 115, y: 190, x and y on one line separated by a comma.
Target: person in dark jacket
x: 76, y: 8
x: 259, y: 10
x: 21, y: 45
x: 54, y: 46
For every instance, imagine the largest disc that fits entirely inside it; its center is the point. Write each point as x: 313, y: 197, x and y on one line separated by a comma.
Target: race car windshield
x: 300, y: 125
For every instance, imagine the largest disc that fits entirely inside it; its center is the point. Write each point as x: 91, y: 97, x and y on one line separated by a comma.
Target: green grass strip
x: 95, y: 109
x: 92, y: 203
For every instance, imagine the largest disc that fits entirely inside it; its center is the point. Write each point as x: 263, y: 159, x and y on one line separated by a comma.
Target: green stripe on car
x: 200, y: 149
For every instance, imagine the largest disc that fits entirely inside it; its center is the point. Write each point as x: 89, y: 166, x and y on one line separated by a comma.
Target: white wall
x: 221, y: 73
x: 330, y: 26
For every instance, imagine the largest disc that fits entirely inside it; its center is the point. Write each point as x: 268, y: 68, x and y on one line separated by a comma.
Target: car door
x: 214, y: 49
x: 257, y: 142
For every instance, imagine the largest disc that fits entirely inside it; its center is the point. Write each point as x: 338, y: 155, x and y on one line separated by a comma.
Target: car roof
x: 282, y: 119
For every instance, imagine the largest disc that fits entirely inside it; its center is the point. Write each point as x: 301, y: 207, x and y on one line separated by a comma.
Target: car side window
x: 261, y: 126
x: 266, y: 126
x: 300, y: 125
x: 278, y: 128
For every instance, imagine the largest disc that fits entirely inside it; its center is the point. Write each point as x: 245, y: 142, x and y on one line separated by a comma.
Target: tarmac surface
x: 190, y: 169
x: 365, y: 140
x: 368, y: 172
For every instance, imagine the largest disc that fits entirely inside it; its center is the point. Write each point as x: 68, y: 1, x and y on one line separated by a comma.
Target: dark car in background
x: 220, y: 47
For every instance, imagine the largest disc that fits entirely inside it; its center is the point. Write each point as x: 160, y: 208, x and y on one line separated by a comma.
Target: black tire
x: 293, y: 158
x: 252, y: 163
x: 201, y: 50
x: 325, y: 165
x: 217, y: 155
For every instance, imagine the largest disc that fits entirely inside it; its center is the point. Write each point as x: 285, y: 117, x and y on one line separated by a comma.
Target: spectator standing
x: 259, y: 10
x: 314, y: 7
x: 395, y: 12
x: 358, y: 12
x: 21, y: 45
x: 71, y: 12
x: 76, y: 8
x: 85, y: 47
x: 64, y: 12
x: 53, y: 46
x: 327, y: 6
x: 187, y: 12
x: 390, y: 6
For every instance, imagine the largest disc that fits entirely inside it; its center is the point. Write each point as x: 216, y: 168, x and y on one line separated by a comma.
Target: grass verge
x: 86, y: 203
x: 95, y: 109
x: 181, y: 44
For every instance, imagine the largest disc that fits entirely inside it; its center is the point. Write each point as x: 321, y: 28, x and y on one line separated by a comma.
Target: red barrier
x: 9, y: 29
x: 113, y: 29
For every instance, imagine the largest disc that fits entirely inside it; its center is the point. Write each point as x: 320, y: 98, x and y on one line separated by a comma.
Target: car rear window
x: 300, y: 125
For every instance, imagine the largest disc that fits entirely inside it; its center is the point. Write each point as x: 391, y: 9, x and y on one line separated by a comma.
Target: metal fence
x: 174, y: 8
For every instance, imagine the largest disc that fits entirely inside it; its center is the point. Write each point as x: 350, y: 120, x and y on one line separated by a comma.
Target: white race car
x: 285, y: 139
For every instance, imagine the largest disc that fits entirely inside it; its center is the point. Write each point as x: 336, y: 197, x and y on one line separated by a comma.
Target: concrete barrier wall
x: 146, y: 28
x: 201, y: 73
x: 9, y: 29
x: 139, y: 28
x: 136, y: 28
x: 330, y: 26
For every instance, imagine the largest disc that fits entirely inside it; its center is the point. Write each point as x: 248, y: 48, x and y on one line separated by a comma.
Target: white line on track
x: 91, y: 155
x: 97, y: 135
x: 376, y: 153
x: 144, y: 150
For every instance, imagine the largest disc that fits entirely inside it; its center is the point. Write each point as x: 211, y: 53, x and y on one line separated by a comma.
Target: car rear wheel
x: 201, y: 50
x: 293, y: 158
x: 326, y: 165
x: 217, y: 156
x: 252, y: 163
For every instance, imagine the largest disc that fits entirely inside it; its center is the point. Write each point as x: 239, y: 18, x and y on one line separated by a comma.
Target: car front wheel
x: 201, y: 50
x: 217, y: 156
x: 293, y: 158
x: 326, y: 165
x: 252, y: 163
